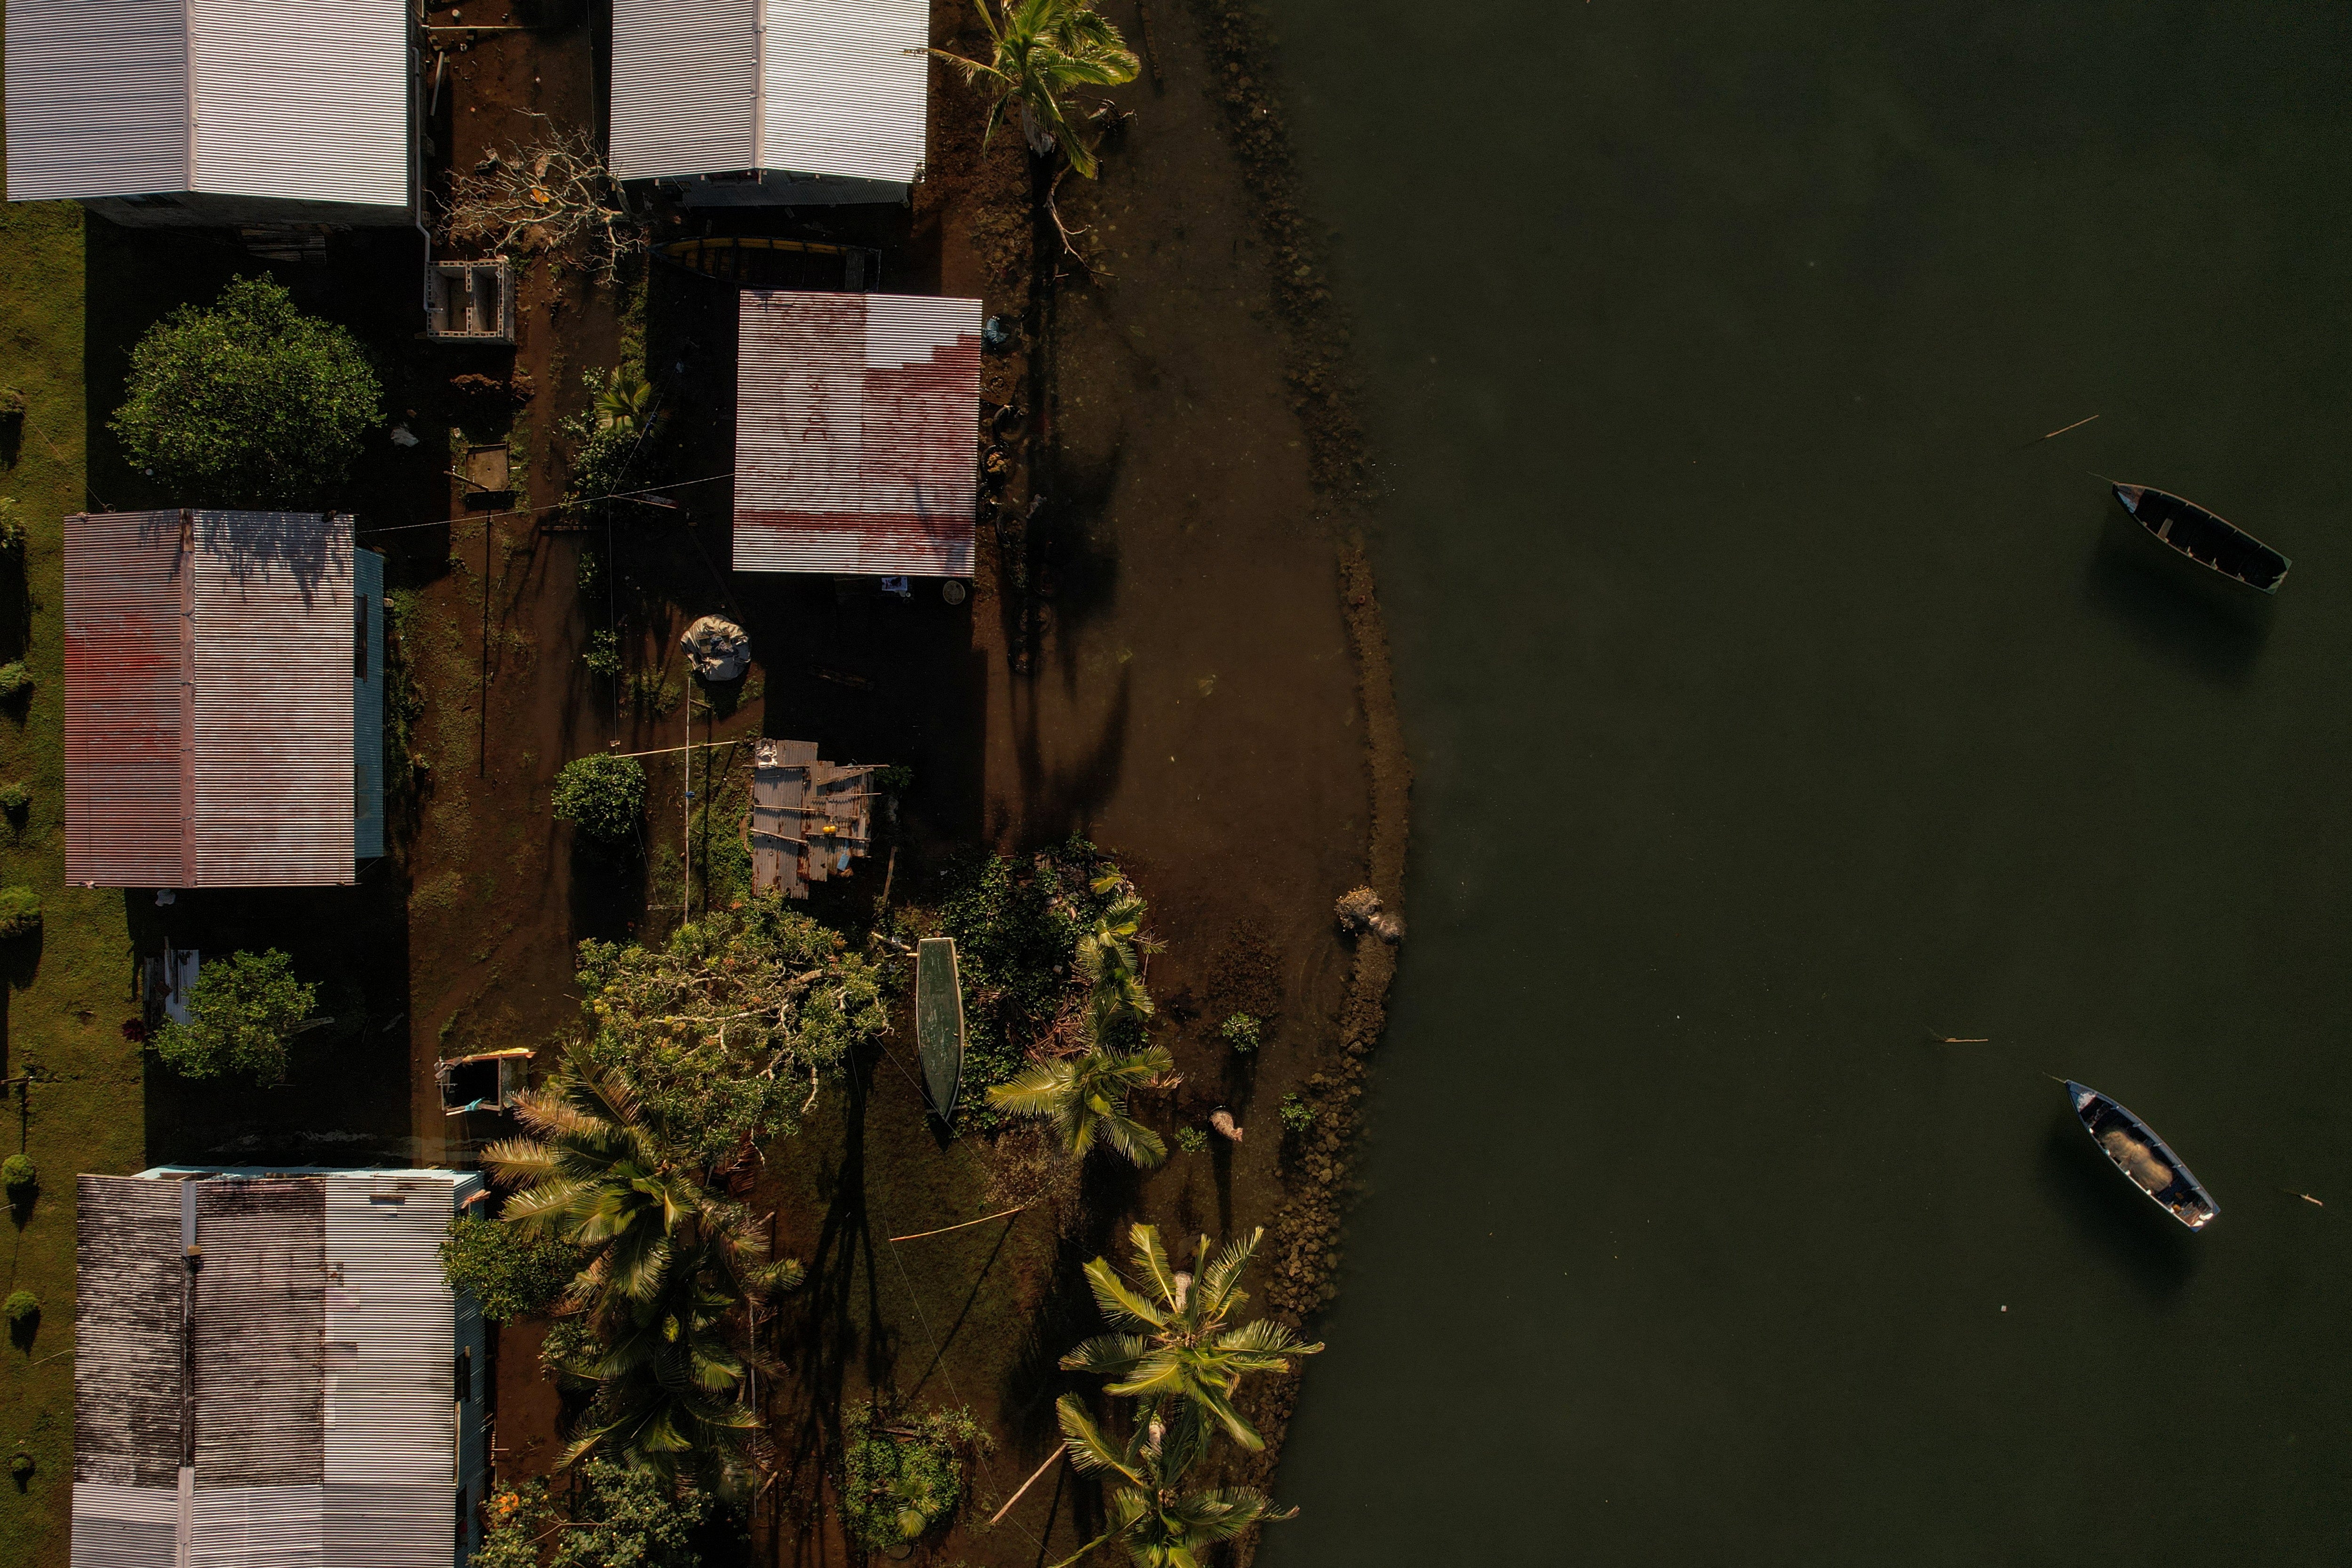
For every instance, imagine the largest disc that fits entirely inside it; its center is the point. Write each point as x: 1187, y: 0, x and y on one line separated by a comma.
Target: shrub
x: 12, y: 402
x: 508, y: 1274
x: 615, y: 1518
x: 15, y: 799
x: 12, y: 527
x: 604, y: 795
x: 1242, y: 1033
x: 1297, y: 1115
x: 18, y: 1172
x: 895, y: 1487
x: 250, y: 403
x: 1191, y: 1139
x: 244, y: 1009
x: 20, y: 912
x: 894, y: 780
x: 15, y: 678
x: 603, y: 655
x: 21, y: 1307
x: 21, y: 1466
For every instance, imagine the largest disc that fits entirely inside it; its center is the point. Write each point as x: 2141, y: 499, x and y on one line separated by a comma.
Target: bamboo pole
x: 962, y: 1225
x: 1032, y: 1481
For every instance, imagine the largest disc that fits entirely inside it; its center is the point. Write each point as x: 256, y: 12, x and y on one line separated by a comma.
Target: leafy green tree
x: 242, y: 1011
x: 724, y: 1032
x: 250, y: 403
x: 901, y: 1477
x: 615, y: 1517
x: 508, y: 1272
x: 1159, y: 1523
x: 1084, y: 1098
x: 1176, y: 1347
x: 604, y: 795
x: 1041, y: 50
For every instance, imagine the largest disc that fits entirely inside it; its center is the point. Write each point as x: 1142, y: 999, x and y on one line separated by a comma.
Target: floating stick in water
x: 2063, y: 428
x: 1957, y: 1040
x: 2306, y: 1197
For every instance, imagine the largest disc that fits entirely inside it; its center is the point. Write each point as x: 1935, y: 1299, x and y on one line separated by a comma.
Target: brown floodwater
x: 1779, y: 703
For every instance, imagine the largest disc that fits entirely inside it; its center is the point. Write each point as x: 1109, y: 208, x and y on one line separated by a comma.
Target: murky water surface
x: 1778, y: 702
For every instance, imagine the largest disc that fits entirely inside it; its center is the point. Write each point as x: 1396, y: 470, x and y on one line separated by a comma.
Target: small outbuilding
x: 223, y: 700
x: 800, y: 102
x: 856, y: 434
x: 213, y: 113
x: 269, y: 1367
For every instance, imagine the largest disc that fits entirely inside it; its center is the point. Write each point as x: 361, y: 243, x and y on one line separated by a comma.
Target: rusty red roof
x: 208, y: 699
x: 856, y: 434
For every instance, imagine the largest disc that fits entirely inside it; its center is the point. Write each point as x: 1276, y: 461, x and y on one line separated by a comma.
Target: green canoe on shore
x: 939, y: 1021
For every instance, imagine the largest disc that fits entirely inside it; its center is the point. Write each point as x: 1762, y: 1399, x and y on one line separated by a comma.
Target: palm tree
x: 1159, y: 1523
x: 671, y: 1377
x: 1085, y: 1098
x: 1108, y: 955
x: 1176, y: 1347
x: 597, y: 1176
x: 1042, y: 49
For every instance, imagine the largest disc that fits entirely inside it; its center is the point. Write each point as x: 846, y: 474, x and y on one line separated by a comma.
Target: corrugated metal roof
x: 322, y: 1338
x: 98, y: 98
x: 856, y: 434
x: 686, y: 78
x: 306, y: 100
x: 209, y: 694
x: 837, y: 88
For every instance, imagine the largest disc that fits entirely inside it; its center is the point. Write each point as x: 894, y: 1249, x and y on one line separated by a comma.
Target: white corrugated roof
x: 837, y: 88
x: 856, y: 434
x: 300, y: 99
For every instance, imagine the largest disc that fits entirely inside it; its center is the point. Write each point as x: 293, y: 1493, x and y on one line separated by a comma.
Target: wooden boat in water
x: 2146, y: 1159
x: 2205, y: 538
x: 939, y: 1021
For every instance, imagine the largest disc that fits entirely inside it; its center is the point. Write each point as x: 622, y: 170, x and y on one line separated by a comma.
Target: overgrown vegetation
x: 615, y: 1518
x: 508, y: 1273
x: 250, y: 403
x: 904, y: 1477
x: 20, y: 912
x: 245, y: 1008
x: 603, y: 794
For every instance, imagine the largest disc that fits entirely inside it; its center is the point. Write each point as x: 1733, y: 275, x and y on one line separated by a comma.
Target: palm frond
x: 1108, y: 1355
x: 1088, y: 1448
x: 1118, y: 1302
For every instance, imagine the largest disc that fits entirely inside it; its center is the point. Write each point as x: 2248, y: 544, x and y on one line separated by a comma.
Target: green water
x: 1776, y: 701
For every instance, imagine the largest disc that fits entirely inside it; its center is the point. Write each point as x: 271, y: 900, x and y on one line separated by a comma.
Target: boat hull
x: 2144, y: 1159
x: 2204, y: 537
x: 939, y: 1022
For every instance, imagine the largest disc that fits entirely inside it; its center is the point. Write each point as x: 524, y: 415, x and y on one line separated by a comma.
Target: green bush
x: 603, y: 655
x: 15, y: 799
x: 20, y: 912
x: 18, y: 1172
x: 1242, y: 1033
x: 1297, y: 1115
x: 894, y: 780
x: 244, y: 1009
x: 895, y: 1486
x: 15, y: 678
x: 21, y: 1307
x: 506, y: 1273
x: 615, y: 1517
x: 603, y: 796
x: 1191, y: 1139
x: 250, y: 403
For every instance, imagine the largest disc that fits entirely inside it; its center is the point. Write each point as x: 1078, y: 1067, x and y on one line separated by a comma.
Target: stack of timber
x: 809, y: 818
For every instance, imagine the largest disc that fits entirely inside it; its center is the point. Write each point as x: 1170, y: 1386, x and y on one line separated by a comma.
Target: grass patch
x: 68, y: 990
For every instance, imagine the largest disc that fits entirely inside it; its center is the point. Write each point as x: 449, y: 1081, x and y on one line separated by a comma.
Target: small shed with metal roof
x: 856, y: 434
x: 800, y: 102
x: 270, y: 1367
x: 211, y: 112
x: 223, y: 700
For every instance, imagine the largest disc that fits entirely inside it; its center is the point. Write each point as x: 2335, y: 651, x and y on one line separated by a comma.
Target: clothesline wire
x: 557, y: 506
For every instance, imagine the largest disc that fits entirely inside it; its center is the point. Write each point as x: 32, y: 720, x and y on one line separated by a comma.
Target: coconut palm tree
x: 1175, y: 1347
x: 1159, y: 1523
x: 1042, y: 49
x: 670, y: 1374
x: 1085, y: 1099
x: 595, y: 1176
x: 1109, y: 953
